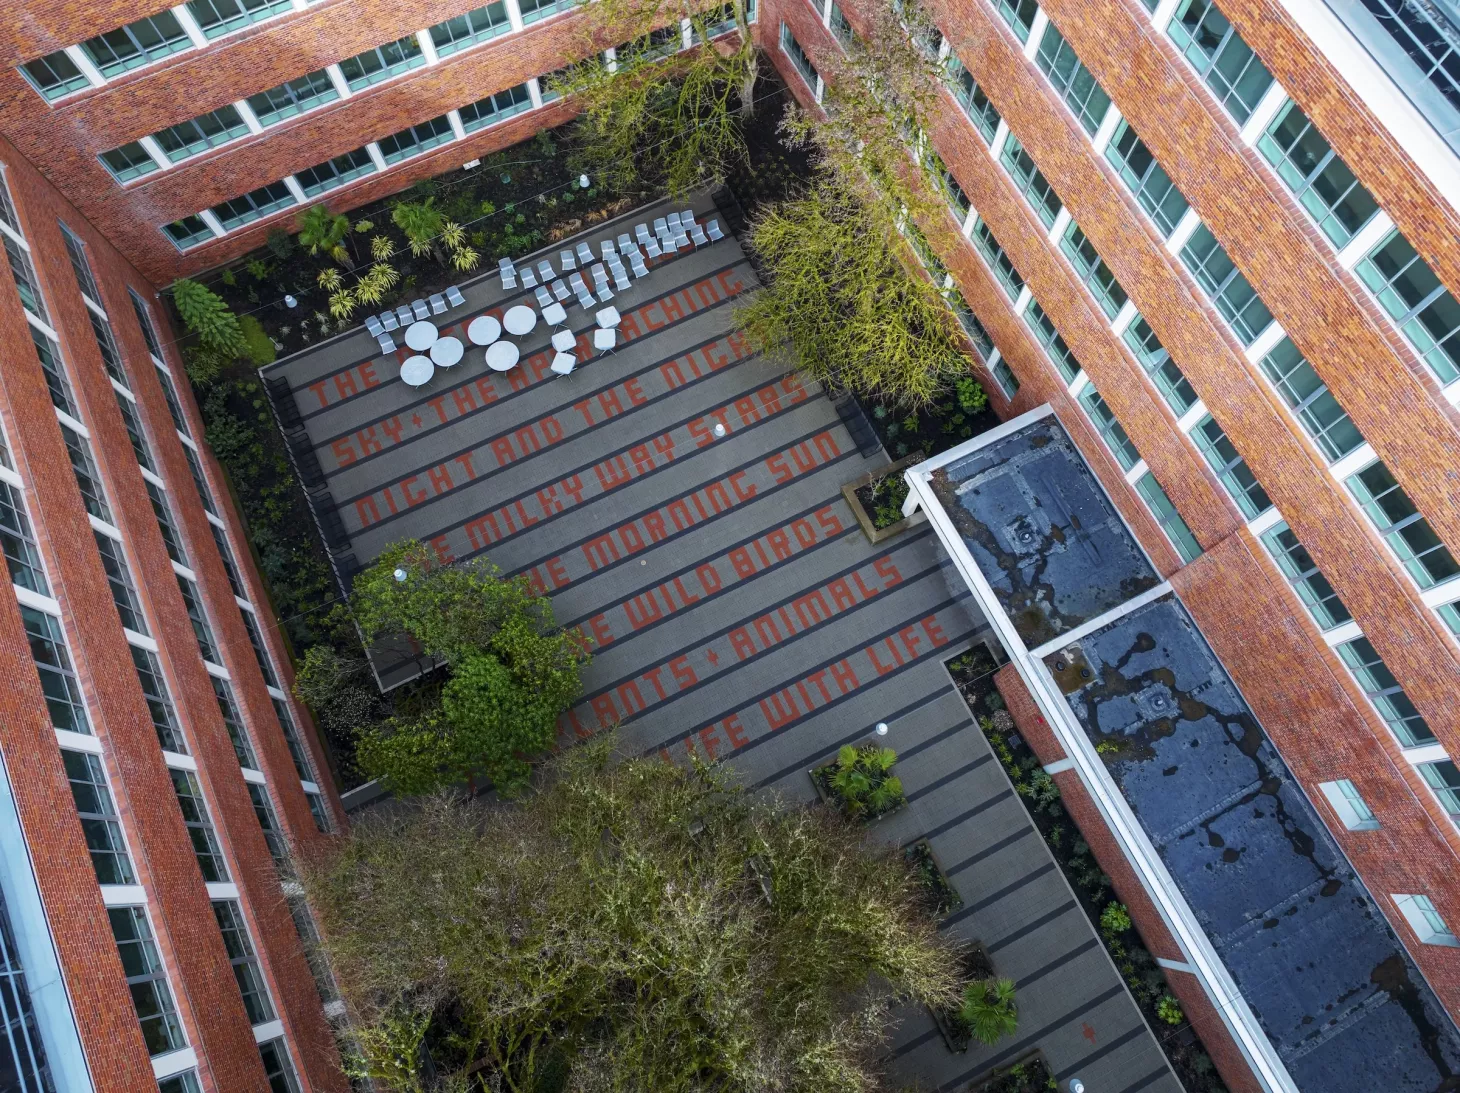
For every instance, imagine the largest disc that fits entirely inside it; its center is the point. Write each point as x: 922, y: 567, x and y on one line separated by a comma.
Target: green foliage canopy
x: 322, y: 230
x: 205, y: 314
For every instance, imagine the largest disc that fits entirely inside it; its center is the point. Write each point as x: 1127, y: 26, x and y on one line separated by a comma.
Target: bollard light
x: 719, y: 429
x: 400, y: 575
x: 582, y: 182
x: 289, y: 301
x: 881, y: 728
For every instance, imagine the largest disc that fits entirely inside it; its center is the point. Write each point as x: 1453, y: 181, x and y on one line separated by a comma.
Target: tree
x: 322, y: 230
x: 632, y: 926
x: 205, y: 314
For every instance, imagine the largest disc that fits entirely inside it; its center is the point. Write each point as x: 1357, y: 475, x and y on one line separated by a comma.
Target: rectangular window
x: 245, y: 964
x: 188, y: 232
x: 1008, y: 382
x: 25, y: 280
x: 1450, y: 614
x: 218, y: 17
x: 1311, y: 401
x: 1175, y: 388
x: 253, y: 205
x: 1303, y: 574
x: 1423, y: 308
x: 195, y: 467
x: 416, y: 139
x: 193, y: 601
x: 7, y: 207
x: 128, y: 162
x: 99, y: 822
x: 22, y: 557
x: 840, y: 28
x: 137, y: 44
x: 495, y: 108
x: 948, y: 185
x: 533, y: 10
x: 186, y: 1082
x: 382, y: 62
x: 55, y: 372
x: 53, y: 665
x: 1029, y: 181
x: 1220, y: 56
x: 80, y: 264
x: 1230, y: 467
x: 975, y: 330
x: 1148, y: 181
x: 293, y: 97
x: 256, y: 639
x: 1383, y: 690
x: 159, y: 702
x: 1074, y: 82
x: 1110, y: 430
x: 135, y: 433
x: 971, y: 97
x: 1406, y: 531
x: 119, y: 577
x: 233, y: 722
x: 106, y: 345
x: 1325, y: 187
x: 1444, y: 778
x: 1349, y: 804
x: 1019, y: 14
x: 1003, y: 267
x: 146, y: 979
x: 1093, y: 271
x: 1231, y: 292
x: 87, y: 480
x: 273, y: 838
x: 235, y: 582
x: 1167, y: 516
x: 1423, y: 917
x: 798, y: 56
x: 317, y: 810
x: 200, y: 828
x: 1044, y: 329
x: 144, y: 320
x: 174, y: 407
x: 197, y: 135
x: 475, y: 26
x: 291, y: 737
x: 277, y: 1067
x: 335, y: 172
x: 163, y: 511
x: 54, y: 75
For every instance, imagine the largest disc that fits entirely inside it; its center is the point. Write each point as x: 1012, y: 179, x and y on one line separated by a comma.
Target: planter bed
x: 1030, y: 1074
x: 821, y: 779
x: 940, y: 897
x: 876, y: 499
x: 976, y: 966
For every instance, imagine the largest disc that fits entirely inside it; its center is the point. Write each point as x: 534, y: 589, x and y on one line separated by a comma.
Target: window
x: 273, y: 838
x: 382, y: 62
x: 948, y: 185
x: 1230, y: 467
x: 136, y: 44
x: 1008, y: 382
x: 1310, y: 400
x: 256, y: 639
x: 146, y: 979
x: 971, y: 97
x: 973, y: 328
x: 416, y: 139
x: 1322, y: 183
x: 188, y: 232
x: 174, y: 407
x: 277, y: 1066
x: 1233, y: 296
x: 124, y: 593
x: 1220, y: 56
x: 293, y: 97
x: 128, y: 162
x: 1175, y: 388
x: 1148, y: 181
x: 1349, y: 804
x: 193, y: 601
x: 1167, y: 516
x: 839, y: 25
x: 291, y: 737
x: 1110, y: 430
x: 144, y: 320
x: 135, y: 433
x: 55, y: 372
x: 196, y: 136
x: 1406, y: 531
x: 475, y: 26
x: 106, y: 345
x: 245, y: 964
x: 229, y: 565
x: 1075, y: 83
x: 1426, y: 36
x: 53, y: 665
x: 22, y: 557
x: 1424, y: 309
x: 1444, y: 778
x: 495, y: 108
x: 233, y: 722
x: 798, y: 56
x: 195, y: 467
x: 54, y: 75
x: 923, y: 251
x: 721, y: 20
x: 1304, y: 575
x: 99, y: 822
x: 186, y: 1082
x: 25, y: 280
x: 1019, y: 14
x: 80, y: 265
x: 1093, y: 271
x: 1425, y: 921
x: 1030, y: 181
x: 7, y: 207
x: 317, y: 810
x: 218, y: 17
x: 335, y: 172
x: 1043, y: 327
x: 170, y: 537
x: 87, y: 480
x: 200, y: 828
x: 533, y: 10
x: 253, y: 205
x: 159, y: 702
x: 1384, y: 691
x: 1002, y: 265
x: 26, y: 1065
x: 551, y: 85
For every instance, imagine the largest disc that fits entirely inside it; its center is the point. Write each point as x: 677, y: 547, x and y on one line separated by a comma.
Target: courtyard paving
x: 737, y: 610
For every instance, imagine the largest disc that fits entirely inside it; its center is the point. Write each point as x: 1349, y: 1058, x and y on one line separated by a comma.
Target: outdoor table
x: 519, y: 320
x: 564, y: 340
x: 421, y: 335
x: 554, y: 313
x: 484, y: 330
x: 446, y: 352
x: 417, y: 371
x: 501, y: 356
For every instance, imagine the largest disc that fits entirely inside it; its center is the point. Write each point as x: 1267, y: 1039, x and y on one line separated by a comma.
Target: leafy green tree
x: 205, y: 314
x: 322, y: 230
x: 989, y: 1012
x: 632, y: 926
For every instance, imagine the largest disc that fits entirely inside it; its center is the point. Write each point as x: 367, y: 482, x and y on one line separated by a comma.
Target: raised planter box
x: 943, y: 899
x: 864, y: 518
x: 828, y: 797
x: 976, y: 966
x: 1030, y: 1074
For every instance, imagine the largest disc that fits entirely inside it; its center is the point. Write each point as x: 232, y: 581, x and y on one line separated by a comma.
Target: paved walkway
x: 738, y: 611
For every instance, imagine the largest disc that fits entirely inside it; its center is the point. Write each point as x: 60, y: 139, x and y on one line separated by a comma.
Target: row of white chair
x: 403, y: 316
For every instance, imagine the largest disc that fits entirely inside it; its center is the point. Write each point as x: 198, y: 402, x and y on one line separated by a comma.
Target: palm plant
x: 422, y: 222
x: 322, y: 230
x: 860, y: 778
x: 988, y: 1010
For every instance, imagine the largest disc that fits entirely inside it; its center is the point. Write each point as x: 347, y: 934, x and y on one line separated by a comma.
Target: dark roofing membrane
x: 1330, y: 984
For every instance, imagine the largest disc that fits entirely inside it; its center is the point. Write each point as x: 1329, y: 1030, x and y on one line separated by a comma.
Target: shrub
x: 1169, y: 1010
x: 1114, y: 920
x: 205, y: 314
x: 322, y: 230
x: 988, y: 1010
x: 861, y: 781
x: 421, y: 222
x: 281, y: 243
x: 258, y: 346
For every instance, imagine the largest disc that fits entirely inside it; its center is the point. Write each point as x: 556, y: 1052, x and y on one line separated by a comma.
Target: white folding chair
x: 586, y: 300
x: 652, y: 246
x: 641, y: 233
x: 529, y: 278
x: 508, y: 273
x: 712, y: 229
x: 403, y: 313
x: 637, y: 261
x: 671, y: 246
x: 560, y: 290
x: 545, y: 271
x: 372, y: 324
x: 585, y: 254
x: 565, y: 259
x: 620, y: 276
x: 579, y: 285
x: 686, y: 218
x: 606, y: 248
x: 604, y: 339
x: 563, y: 363
x: 673, y: 219
x: 387, y: 343
x: 438, y: 304
x: 661, y: 229
x: 697, y: 233
x: 625, y: 241
x: 387, y: 320
x: 421, y: 310
x: 544, y: 297
x: 454, y: 296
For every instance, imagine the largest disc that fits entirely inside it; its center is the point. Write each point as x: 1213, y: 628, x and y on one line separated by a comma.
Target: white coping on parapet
x: 1117, y: 814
